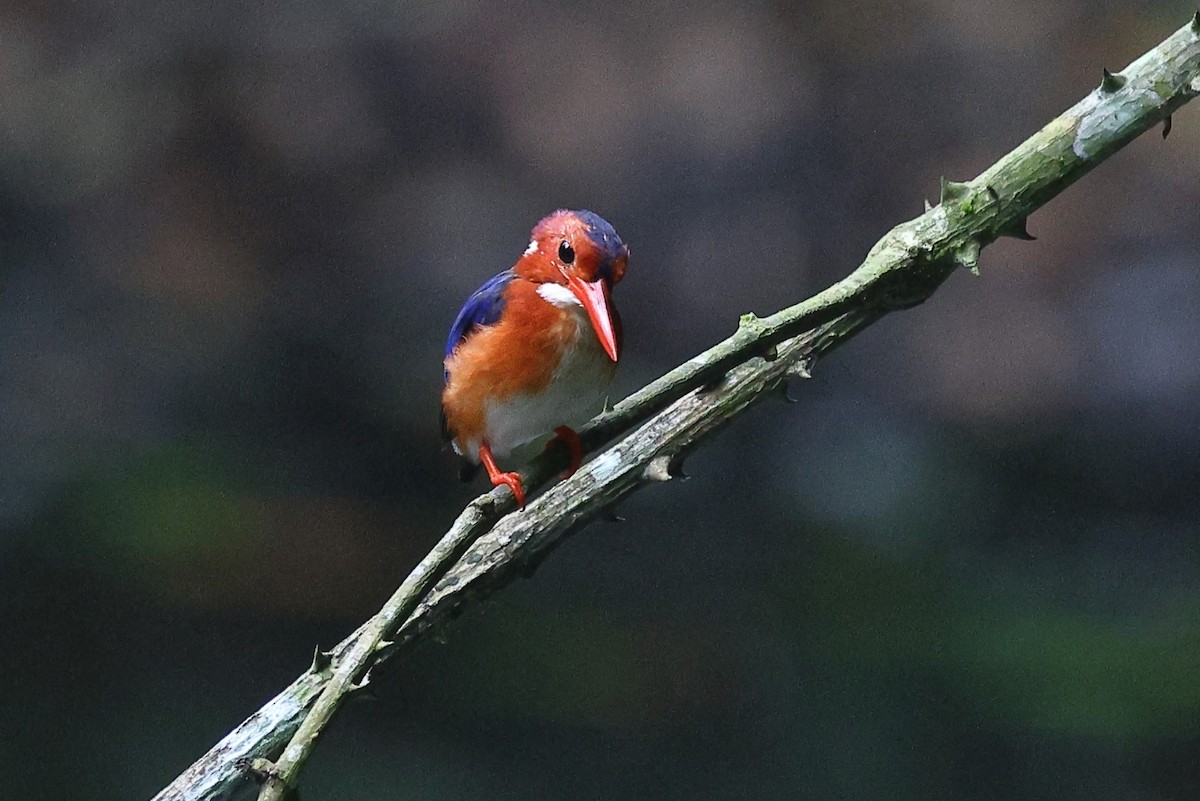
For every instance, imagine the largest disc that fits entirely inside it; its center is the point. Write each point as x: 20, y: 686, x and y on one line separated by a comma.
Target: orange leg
x: 567, y: 436
x: 511, y: 480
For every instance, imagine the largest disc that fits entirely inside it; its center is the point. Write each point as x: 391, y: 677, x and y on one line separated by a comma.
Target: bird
x: 533, y: 351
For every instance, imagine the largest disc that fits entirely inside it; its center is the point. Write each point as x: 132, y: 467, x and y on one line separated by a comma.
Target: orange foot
x: 511, y: 480
x: 567, y: 436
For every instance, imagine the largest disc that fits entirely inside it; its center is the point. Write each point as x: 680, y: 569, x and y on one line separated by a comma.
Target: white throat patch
x: 559, y: 295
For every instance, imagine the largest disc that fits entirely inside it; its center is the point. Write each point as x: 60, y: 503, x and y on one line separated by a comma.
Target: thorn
x: 751, y: 322
x: 799, y: 370
x: 782, y: 390
x: 1167, y: 126
x: 968, y: 256
x: 384, y: 645
x: 1111, y: 82
x: 659, y: 469
x: 992, y: 193
x: 953, y: 190
x: 362, y: 683
x: 927, y: 206
x: 321, y: 660
x: 1196, y: 23
x: 1017, y: 230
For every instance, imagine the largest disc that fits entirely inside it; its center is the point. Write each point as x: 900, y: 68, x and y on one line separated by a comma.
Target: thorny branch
x: 665, y: 419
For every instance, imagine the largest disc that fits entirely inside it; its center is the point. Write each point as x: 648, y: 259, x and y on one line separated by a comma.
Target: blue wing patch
x: 482, y: 308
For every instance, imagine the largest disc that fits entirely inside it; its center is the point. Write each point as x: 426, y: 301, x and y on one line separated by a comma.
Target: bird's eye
x: 566, y: 253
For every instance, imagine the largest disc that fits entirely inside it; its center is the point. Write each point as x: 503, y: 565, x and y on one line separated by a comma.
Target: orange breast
x: 516, y: 355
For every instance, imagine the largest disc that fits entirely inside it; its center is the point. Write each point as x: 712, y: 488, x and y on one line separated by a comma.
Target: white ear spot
x: 533, y: 247
x: 559, y: 295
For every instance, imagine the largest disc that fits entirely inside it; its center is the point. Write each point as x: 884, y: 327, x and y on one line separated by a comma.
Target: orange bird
x: 533, y: 351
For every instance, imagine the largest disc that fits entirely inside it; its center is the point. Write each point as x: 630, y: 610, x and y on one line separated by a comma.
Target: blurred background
x: 233, y: 236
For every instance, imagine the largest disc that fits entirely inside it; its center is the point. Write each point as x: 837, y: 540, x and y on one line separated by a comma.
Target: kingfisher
x: 533, y: 351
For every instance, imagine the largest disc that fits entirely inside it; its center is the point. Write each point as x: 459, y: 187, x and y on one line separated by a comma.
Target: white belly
x: 575, y: 394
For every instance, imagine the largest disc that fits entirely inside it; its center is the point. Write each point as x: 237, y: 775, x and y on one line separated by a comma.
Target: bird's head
x: 577, y: 257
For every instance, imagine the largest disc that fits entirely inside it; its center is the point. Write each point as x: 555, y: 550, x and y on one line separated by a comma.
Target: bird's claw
x: 510, y: 480
x: 513, y: 482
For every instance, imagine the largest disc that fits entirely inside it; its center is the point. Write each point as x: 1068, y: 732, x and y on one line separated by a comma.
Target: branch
x: 680, y: 409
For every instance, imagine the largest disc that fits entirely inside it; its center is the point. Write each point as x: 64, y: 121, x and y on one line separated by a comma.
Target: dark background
x: 233, y: 235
